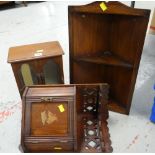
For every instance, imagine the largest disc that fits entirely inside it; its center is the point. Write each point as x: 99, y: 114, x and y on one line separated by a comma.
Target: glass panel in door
x: 51, y: 73
x: 28, y: 75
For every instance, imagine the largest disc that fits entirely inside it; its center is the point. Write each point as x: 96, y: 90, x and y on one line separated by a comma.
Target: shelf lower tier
x: 116, y: 107
x: 107, y: 59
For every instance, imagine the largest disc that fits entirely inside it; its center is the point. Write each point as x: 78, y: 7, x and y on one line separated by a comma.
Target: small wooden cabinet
x: 48, y: 119
x: 105, y: 45
x: 37, y: 64
x: 65, y: 118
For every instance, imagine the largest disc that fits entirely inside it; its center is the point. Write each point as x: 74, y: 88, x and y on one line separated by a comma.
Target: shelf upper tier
x: 108, y: 59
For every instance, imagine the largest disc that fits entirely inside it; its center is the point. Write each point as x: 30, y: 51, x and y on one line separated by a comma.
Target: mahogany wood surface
x: 106, y: 46
x: 48, y: 51
x: 27, y: 52
x: 80, y: 127
x: 45, y: 128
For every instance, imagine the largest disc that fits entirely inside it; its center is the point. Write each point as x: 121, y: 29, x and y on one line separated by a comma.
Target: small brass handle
x: 57, y: 148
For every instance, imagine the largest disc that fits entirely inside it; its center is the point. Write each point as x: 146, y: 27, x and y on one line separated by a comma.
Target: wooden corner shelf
x: 106, y: 46
x: 106, y: 59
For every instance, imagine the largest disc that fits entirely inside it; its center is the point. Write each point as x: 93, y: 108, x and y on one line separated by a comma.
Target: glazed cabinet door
x: 38, y: 72
x: 49, y: 70
x: 25, y: 75
x: 52, y: 72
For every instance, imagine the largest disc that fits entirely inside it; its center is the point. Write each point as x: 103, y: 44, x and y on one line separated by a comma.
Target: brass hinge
x: 46, y: 99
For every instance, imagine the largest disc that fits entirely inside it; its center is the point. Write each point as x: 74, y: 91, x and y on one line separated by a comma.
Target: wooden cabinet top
x: 56, y: 90
x: 34, y: 51
x: 112, y: 7
x: 34, y: 91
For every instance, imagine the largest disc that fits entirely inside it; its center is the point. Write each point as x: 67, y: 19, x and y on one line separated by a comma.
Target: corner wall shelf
x: 106, y: 59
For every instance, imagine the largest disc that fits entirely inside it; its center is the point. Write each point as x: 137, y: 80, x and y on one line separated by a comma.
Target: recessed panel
x: 49, y: 119
x: 90, y: 34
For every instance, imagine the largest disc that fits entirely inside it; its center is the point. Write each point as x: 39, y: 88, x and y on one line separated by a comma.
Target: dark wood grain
x: 20, y: 55
x: 82, y: 103
x: 111, y: 60
x: 56, y: 126
x: 106, y: 46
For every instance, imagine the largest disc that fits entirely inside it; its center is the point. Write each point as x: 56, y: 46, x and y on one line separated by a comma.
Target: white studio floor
x: 48, y: 21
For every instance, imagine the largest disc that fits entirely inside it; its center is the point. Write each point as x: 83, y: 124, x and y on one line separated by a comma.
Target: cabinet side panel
x: 127, y: 36
x: 90, y: 34
x: 127, y: 40
x: 119, y: 79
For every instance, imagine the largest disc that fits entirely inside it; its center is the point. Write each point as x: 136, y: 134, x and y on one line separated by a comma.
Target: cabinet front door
x: 27, y: 76
x: 51, y: 71
x: 49, y: 116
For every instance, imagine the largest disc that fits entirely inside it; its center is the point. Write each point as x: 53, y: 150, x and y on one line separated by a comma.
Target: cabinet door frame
x: 28, y: 108
x: 37, y: 65
x: 18, y: 76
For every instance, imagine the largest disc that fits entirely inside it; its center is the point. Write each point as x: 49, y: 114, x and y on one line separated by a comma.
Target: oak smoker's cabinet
x: 105, y: 45
x: 65, y: 118
x: 37, y: 64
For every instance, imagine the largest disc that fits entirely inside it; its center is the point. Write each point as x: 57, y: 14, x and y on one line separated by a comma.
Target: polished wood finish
x: 79, y: 126
x: 28, y: 52
x: 37, y: 57
x: 47, y: 120
x: 60, y: 121
x: 106, y: 46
